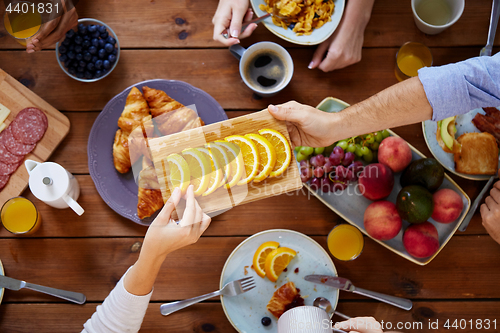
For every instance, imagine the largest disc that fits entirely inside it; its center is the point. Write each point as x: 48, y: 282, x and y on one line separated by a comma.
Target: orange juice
x: 345, y: 242
x: 410, y: 58
x: 22, y: 25
x: 20, y: 216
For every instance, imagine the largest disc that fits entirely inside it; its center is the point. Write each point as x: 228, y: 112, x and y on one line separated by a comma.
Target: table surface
x: 173, y: 40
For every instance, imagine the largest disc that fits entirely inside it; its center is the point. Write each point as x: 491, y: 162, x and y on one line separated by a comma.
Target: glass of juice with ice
x: 410, y: 58
x: 345, y: 242
x: 22, y: 22
x: 20, y: 216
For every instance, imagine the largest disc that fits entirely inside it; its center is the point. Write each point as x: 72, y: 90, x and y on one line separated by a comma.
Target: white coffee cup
x: 305, y: 319
x: 249, y: 55
x: 456, y: 8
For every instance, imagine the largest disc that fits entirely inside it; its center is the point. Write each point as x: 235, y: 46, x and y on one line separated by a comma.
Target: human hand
x: 360, y: 325
x: 232, y: 14
x: 490, y: 213
x: 306, y: 125
x: 53, y: 31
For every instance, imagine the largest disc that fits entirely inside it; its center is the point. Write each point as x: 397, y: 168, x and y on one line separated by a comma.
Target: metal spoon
x: 323, y: 303
x: 495, y: 13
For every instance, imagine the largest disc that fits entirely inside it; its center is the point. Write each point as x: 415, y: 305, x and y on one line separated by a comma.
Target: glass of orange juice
x: 23, y: 23
x: 20, y: 216
x: 410, y: 58
x: 345, y: 242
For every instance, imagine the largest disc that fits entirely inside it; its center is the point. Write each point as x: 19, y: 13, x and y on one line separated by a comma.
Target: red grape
x: 339, y: 151
x: 315, y: 184
x: 305, y: 164
x: 335, y: 159
x: 356, y: 167
x: 305, y: 174
x: 318, y: 172
x: 348, y: 158
x: 339, y: 186
x: 328, y: 167
x: 341, y: 172
x: 351, y: 176
x: 326, y: 185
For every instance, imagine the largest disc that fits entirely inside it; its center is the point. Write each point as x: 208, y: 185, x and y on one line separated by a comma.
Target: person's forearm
x: 402, y: 104
x: 141, y: 277
x: 358, y: 12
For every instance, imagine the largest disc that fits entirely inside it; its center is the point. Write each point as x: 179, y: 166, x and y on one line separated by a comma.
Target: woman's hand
x: 232, y: 14
x: 53, y: 31
x: 490, y: 212
x: 306, y: 125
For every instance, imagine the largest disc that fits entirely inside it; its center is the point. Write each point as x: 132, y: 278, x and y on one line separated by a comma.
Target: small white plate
x: 464, y: 125
x: 245, y: 311
x: 316, y: 37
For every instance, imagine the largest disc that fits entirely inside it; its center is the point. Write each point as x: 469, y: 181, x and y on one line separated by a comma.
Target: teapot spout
x: 30, y: 165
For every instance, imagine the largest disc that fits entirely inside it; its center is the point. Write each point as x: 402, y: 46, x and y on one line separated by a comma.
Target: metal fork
x: 232, y: 288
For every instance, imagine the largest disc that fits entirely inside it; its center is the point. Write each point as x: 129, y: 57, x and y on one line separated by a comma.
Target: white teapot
x: 54, y: 185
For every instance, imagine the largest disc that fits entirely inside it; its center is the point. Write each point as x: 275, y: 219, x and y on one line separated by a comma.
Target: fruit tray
x: 351, y: 206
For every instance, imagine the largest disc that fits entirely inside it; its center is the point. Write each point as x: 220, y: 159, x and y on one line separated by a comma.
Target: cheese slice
x: 4, y: 113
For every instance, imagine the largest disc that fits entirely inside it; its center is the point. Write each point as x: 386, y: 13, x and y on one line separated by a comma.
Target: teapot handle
x: 73, y: 204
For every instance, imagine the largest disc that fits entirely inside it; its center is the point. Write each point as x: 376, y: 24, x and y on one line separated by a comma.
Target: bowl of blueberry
x: 89, y: 52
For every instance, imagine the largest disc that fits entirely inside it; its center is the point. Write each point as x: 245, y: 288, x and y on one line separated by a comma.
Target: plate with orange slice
x: 273, y: 258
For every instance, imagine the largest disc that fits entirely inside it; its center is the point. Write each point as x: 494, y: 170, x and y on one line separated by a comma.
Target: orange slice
x: 267, y: 156
x: 277, y: 261
x: 259, y: 258
x: 283, y: 150
x: 250, y: 157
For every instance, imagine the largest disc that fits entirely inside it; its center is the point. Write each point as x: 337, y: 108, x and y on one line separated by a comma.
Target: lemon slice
x: 277, y: 261
x: 199, y: 168
x: 283, y: 150
x: 250, y: 157
x: 179, y: 172
x: 236, y: 162
x: 259, y: 258
x: 220, y: 154
x: 216, y: 171
x: 267, y: 156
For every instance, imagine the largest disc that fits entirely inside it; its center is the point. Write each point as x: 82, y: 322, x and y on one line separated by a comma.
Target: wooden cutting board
x: 223, y: 199
x: 16, y: 97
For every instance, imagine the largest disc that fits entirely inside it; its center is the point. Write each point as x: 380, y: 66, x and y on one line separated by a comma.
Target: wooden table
x: 173, y: 40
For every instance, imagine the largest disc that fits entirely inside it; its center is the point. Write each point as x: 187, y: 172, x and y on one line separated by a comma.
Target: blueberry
x: 109, y: 48
x: 78, y: 48
x: 95, y: 34
x: 102, y: 53
x: 115, y: 51
x: 82, y: 28
x: 266, y: 321
x: 92, y: 49
x: 71, y: 47
x: 72, y: 70
x: 78, y: 39
x: 95, y: 42
x: 102, y: 29
x: 63, y: 58
x: 82, y: 64
x: 98, y: 64
x: 68, y: 63
x: 292, y: 25
x: 112, y: 58
x: 86, y: 37
x: 95, y: 59
x: 101, y: 43
x: 111, y: 40
x: 86, y: 43
x: 104, y: 71
x: 80, y: 69
x: 62, y: 49
x: 79, y: 56
x: 87, y: 56
x: 79, y: 75
x: 106, y: 64
x: 71, y: 55
x: 90, y: 66
x: 91, y: 28
x: 98, y: 73
x: 70, y: 33
x: 104, y: 35
x: 66, y: 41
x: 88, y: 75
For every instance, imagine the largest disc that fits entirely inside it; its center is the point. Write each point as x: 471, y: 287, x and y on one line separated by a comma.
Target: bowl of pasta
x: 303, y: 22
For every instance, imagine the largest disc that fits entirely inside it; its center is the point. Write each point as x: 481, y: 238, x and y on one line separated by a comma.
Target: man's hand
x: 307, y: 126
x: 490, y: 212
x: 232, y: 14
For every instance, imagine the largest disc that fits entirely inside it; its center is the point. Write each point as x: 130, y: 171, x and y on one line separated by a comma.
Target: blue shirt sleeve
x: 458, y: 88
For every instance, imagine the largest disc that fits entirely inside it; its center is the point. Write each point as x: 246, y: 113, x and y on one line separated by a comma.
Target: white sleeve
x: 120, y: 312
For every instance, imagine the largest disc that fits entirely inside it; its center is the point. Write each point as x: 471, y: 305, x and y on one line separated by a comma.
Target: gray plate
x: 119, y: 191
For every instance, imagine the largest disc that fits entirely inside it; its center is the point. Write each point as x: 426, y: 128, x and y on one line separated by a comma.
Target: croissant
x: 149, y: 197
x: 138, y: 143
x: 283, y: 298
x: 121, y: 156
x: 136, y: 109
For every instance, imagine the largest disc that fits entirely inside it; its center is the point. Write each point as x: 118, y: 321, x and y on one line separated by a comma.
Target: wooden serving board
x: 16, y: 97
x: 223, y: 199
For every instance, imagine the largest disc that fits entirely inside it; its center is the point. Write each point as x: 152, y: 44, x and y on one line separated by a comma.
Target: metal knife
x: 13, y: 284
x: 345, y: 284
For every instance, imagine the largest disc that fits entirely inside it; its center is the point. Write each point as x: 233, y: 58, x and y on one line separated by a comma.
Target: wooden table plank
x: 203, y: 68
x: 463, y: 270
x: 179, y: 24
x: 209, y: 317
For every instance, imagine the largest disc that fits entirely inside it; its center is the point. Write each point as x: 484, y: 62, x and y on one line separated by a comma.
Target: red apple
x: 448, y: 206
x: 421, y: 240
x: 395, y: 153
x: 382, y: 220
x: 376, y: 181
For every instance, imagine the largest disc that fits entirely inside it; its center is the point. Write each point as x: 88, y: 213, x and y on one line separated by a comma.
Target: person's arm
x: 124, y: 308
x: 230, y: 15
x: 344, y: 47
x: 490, y: 213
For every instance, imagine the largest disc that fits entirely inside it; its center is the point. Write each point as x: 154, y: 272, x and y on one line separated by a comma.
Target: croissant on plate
x: 149, y: 198
x: 121, y: 156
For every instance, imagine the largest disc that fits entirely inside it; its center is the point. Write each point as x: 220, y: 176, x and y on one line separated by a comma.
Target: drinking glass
x: 23, y: 23
x: 345, y: 242
x: 410, y: 58
x: 20, y: 216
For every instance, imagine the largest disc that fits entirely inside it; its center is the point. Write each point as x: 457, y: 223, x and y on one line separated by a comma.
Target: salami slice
x: 3, y: 181
x: 14, y: 146
x: 29, y: 126
x: 8, y: 169
x: 7, y: 157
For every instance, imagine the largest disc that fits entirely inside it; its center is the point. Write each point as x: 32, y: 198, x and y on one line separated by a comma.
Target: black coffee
x: 266, y: 70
